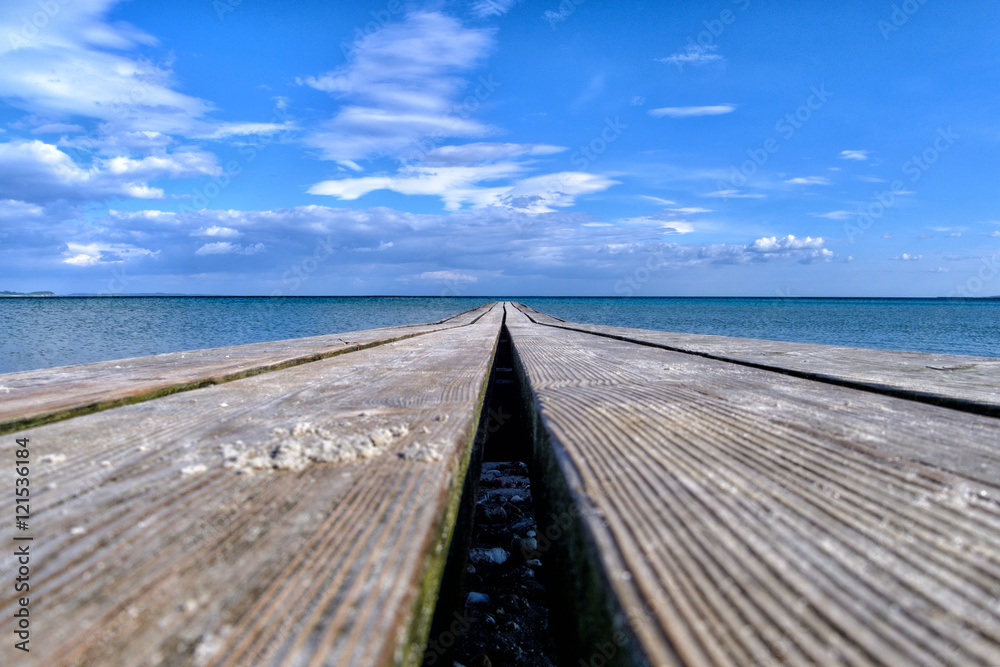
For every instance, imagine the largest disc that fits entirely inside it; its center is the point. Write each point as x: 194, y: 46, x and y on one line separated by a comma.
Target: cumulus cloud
x: 907, y: 257
x: 217, y: 231
x: 39, y: 172
x: 103, y: 253
x: 686, y: 112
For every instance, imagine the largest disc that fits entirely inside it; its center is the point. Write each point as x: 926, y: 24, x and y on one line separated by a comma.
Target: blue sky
x: 478, y: 147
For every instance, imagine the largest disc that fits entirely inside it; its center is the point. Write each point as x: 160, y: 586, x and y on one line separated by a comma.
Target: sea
x: 44, y: 332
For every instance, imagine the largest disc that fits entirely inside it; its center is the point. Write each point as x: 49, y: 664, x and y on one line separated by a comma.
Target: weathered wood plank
x: 40, y: 396
x: 727, y: 515
x: 152, y: 548
x: 961, y: 382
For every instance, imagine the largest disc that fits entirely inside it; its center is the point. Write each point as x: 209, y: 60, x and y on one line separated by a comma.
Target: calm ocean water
x: 45, y: 332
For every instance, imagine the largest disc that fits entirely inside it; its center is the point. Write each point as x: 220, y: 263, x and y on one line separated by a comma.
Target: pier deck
x: 702, y: 500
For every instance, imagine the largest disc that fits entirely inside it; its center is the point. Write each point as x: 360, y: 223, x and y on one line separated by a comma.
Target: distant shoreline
x: 27, y: 294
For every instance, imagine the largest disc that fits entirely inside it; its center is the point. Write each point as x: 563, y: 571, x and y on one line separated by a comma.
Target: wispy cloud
x: 486, y: 8
x: 227, y: 248
x: 809, y: 180
x: 734, y: 194
x: 458, y: 186
x: 836, y: 215
x: 907, y: 257
x: 447, y: 276
x: 694, y: 55
x: 854, y: 155
x: 685, y: 112
x: 401, y: 85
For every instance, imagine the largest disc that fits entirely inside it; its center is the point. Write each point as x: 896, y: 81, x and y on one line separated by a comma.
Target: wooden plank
x: 717, y: 514
x: 960, y: 382
x: 31, y: 398
x: 300, y: 517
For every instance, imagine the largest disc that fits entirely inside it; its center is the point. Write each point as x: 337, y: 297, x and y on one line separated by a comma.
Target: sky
x: 488, y: 147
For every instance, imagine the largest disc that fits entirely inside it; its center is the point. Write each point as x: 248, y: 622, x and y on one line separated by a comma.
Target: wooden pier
x: 702, y: 500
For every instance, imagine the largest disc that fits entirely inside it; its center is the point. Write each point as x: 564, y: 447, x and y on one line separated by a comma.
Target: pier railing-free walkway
x: 294, y: 502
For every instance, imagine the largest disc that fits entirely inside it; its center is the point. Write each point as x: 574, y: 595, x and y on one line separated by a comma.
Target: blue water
x: 46, y: 332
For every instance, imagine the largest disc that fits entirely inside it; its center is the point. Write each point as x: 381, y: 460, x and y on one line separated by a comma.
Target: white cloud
x: 14, y: 209
x: 471, y: 154
x: 447, y: 276
x: 217, y: 231
x: 734, y: 194
x: 37, y: 171
x: 486, y: 8
x: 459, y: 186
x: 77, y: 64
x: 57, y: 128
x: 225, y: 130
x: 809, y: 180
x: 686, y: 112
x: 906, y: 257
x: 666, y: 222
x: 103, y: 253
x: 658, y: 200
x: 872, y: 179
x: 691, y: 209
x: 694, y: 54
x: 401, y: 85
x: 836, y: 215
x: 854, y: 155
x: 227, y: 248
x: 995, y: 233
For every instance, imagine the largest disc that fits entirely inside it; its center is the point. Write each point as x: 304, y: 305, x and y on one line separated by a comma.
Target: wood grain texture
x: 742, y: 517
x: 960, y: 382
x: 32, y: 398
x: 299, y: 517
